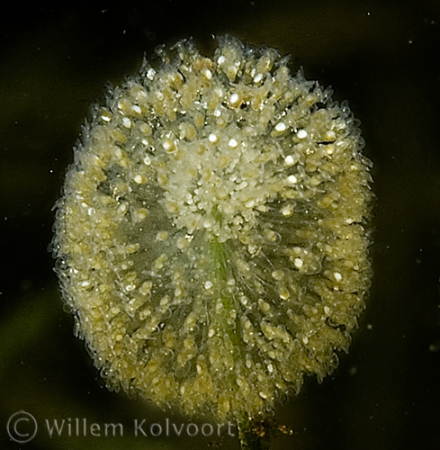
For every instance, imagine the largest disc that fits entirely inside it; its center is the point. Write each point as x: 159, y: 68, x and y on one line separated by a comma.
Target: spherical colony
x: 212, y: 238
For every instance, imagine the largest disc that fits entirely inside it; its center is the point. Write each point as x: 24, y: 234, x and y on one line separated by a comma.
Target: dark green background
x: 381, y: 56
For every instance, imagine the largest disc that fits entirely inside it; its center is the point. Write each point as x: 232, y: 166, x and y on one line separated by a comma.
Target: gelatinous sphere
x: 212, y: 237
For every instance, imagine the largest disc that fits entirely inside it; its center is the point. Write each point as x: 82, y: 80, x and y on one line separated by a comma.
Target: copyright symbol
x: 22, y: 427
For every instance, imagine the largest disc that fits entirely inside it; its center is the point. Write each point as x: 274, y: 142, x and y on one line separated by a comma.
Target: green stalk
x: 220, y: 266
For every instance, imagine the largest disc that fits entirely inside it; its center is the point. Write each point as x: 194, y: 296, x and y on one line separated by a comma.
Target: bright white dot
x: 208, y: 74
x: 292, y: 179
x: 136, y: 109
x: 287, y: 211
x: 338, y: 276
x: 147, y: 160
x: 289, y: 160
x: 330, y: 135
x: 233, y: 100
x: 208, y: 285
x: 302, y: 134
x: 258, y: 77
x: 232, y: 143
x: 151, y: 73
x: 138, y: 179
x: 280, y: 127
x: 298, y: 263
x: 122, y: 208
x: 167, y: 144
x: 221, y: 59
x: 126, y: 122
x: 213, y: 138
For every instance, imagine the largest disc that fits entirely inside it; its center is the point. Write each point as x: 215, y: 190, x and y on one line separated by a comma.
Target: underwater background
x: 383, y: 57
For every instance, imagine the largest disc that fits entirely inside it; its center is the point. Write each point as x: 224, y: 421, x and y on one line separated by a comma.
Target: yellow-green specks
x: 211, y: 239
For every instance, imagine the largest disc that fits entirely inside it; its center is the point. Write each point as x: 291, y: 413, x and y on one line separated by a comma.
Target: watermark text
x: 22, y: 427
